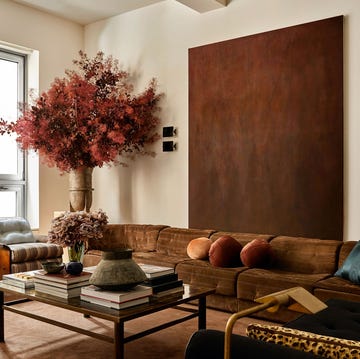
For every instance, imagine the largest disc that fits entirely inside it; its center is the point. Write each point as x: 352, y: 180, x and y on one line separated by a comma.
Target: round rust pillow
x: 257, y: 253
x: 225, y: 252
x: 198, y: 248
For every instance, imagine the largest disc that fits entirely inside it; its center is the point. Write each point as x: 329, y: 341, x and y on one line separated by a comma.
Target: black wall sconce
x: 169, y: 146
x: 169, y: 131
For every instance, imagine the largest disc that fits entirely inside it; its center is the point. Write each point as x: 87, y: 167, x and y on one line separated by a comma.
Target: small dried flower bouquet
x: 75, y: 229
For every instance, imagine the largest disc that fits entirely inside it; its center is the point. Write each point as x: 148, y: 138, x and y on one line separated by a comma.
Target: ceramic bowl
x: 52, y: 267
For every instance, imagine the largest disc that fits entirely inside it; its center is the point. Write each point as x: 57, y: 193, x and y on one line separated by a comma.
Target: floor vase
x: 80, y: 188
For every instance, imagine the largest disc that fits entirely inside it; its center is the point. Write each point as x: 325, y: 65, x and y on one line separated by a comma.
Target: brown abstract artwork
x: 266, y: 132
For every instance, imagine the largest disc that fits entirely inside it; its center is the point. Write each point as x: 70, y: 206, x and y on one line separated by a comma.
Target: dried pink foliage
x: 89, y: 118
x: 71, y: 228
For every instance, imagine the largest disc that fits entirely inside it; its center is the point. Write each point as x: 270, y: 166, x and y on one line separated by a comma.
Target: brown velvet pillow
x: 257, y: 253
x: 225, y: 252
x: 198, y: 248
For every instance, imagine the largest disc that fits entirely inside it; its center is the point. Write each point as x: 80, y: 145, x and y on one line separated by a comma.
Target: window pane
x: 8, y: 204
x: 8, y: 111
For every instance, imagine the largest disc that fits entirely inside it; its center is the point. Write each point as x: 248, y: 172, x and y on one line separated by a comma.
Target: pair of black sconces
x: 169, y: 146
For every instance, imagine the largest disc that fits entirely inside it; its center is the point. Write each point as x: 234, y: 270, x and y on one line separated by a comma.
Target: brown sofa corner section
x: 308, y: 262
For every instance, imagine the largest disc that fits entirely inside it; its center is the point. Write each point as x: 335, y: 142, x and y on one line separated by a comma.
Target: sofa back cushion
x: 174, y: 241
x: 138, y: 237
x: 15, y: 230
x: 345, y: 250
x: 305, y: 255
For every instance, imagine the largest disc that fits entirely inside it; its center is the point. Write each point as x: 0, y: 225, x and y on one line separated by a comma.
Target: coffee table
x: 118, y: 317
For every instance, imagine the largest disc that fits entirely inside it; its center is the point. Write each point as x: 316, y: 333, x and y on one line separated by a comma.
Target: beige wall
x: 154, y: 41
x: 58, y: 42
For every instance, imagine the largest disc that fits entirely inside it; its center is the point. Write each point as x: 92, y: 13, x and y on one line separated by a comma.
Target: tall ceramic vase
x: 80, y: 187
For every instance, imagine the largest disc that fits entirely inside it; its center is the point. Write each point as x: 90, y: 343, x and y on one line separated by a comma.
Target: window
x: 12, y: 159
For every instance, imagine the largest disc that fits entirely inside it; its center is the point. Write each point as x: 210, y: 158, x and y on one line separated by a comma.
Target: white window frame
x: 17, y: 182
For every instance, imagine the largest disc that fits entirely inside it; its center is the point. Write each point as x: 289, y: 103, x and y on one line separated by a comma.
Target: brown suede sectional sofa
x: 307, y: 262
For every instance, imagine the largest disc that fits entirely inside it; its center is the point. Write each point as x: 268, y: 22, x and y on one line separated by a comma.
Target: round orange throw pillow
x: 224, y: 252
x: 257, y: 253
x: 198, y: 248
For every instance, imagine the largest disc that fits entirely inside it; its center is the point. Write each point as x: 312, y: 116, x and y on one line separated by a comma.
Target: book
x: 62, y: 277
x: 162, y: 279
x: 138, y: 291
x: 173, y: 291
x: 152, y: 271
x: 23, y: 280
x: 57, y: 292
x: 114, y: 305
x: 65, y: 286
x: 165, y: 286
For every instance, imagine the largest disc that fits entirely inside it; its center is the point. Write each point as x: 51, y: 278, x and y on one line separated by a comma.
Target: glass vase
x: 76, y: 252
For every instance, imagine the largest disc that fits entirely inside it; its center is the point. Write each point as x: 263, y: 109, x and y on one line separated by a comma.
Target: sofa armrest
x: 5, y: 260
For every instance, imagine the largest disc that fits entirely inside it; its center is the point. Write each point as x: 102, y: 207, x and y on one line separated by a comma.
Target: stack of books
x: 24, y: 280
x: 116, y: 299
x: 61, y: 285
x: 162, y: 280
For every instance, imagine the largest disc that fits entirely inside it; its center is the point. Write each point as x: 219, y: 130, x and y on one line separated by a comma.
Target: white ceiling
x: 88, y: 11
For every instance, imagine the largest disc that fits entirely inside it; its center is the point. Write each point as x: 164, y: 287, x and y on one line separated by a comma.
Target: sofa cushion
x: 351, y: 267
x: 202, y: 273
x: 225, y: 252
x: 257, y: 253
x: 339, y: 285
x: 345, y: 250
x: 320, y: 255
x: 321, y: 345
x: 31, y: 265
x: 174, y: 241
x: 26, y: 252
x: 15, y: 230
x: 258, y: 282
x: 159, y: 259
x: 138, y: 237
x: 198, y: 248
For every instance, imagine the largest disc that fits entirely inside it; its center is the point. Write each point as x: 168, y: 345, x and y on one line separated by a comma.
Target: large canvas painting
x: 266, y: 132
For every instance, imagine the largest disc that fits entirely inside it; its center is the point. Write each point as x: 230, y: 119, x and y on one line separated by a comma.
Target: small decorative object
x: 52, y: 267
x: 74, y: 268
x: 117, y: 271
x: 74, y: 230
x: 88, y: 119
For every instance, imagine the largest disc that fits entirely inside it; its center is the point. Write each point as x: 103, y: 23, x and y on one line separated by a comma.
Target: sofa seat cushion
x: 202, y: 273
x: 174, y: 241
x: 30, y: 265
x: 26, y: 252
x: 337, y: 284
x: 159, y: 259
x: 257, y: 282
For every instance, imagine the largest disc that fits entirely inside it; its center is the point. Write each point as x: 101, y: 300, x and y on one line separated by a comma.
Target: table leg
x: 202, y: 313
x: 119, y: 340
x: 2, y: 339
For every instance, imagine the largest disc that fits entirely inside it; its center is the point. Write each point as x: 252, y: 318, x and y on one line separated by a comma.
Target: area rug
x: 26, y: 338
